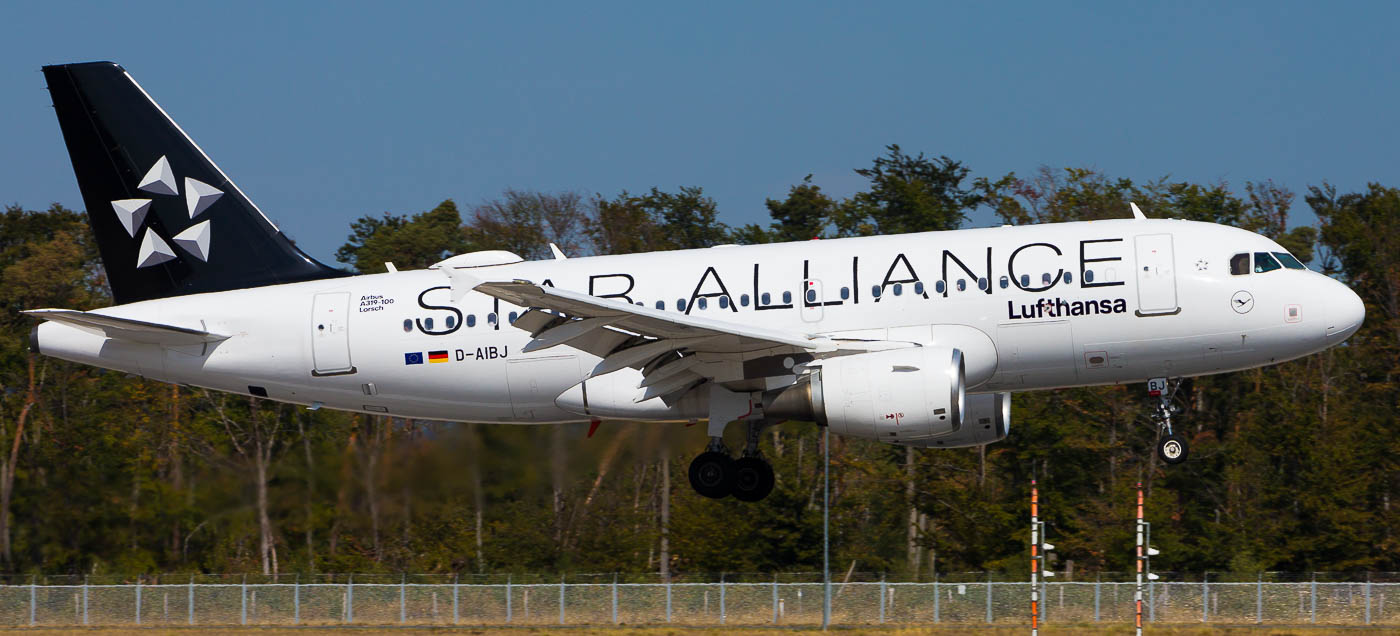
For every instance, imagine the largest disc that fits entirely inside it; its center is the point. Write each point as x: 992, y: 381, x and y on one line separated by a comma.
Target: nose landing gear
x: 750, y: 478
x: 1171, y: 447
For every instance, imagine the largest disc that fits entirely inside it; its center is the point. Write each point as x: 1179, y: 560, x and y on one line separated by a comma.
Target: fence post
x: 85, y: 599
x: 561, y: 600
x: 243, y: 592
x: 1205, y: 597
x: 403, y: 600
x: 455, y: 615
x: 508, y: 599
x: 1259, y: 600
x: 1098, y: 580
x: 989, y: 597
x: 138, y: 599
x: 721, y: 598
x: 32, y: 601
x: 775, y: 599
x: 296, y: 599
x: 350, y: 599
x: 1312, y: 598
x: 936, y: 597
x: 668, y: 599
x: 189, y: 602
x: 614, y: 598
x: 882, y: 598
x: 1368, y: 598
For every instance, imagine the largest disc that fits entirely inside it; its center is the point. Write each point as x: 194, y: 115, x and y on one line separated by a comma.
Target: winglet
x: 1137, y: 214
x: 462, y: 281
x: 558, y: 253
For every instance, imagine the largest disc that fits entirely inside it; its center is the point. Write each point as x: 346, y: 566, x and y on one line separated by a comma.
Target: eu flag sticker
x: 413, y: 358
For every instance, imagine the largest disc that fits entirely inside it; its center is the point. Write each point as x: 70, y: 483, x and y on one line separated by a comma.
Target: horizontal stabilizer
x: 127, y: 328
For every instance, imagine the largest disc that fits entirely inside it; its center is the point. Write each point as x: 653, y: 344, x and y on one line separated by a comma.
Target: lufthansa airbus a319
x: 914, y: 339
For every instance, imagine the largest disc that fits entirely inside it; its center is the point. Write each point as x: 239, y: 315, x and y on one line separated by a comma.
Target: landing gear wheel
x: 1172, y: 449
x: 712, y: 474
x: 753, y: 479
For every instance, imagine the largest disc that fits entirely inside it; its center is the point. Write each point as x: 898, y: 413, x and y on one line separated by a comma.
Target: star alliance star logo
x: 194, y: 240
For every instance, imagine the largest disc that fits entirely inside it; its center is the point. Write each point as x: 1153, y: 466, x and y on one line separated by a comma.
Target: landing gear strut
x: 715, y: 475
x: 1171, y: 447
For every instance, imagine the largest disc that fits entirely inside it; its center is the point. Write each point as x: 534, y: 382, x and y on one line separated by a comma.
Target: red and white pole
x: 1141, y: 555
x: 1035, y: 559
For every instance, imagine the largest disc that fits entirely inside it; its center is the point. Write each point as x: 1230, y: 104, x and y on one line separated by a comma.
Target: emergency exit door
x: 330, y: 334
x: 1156, y: 275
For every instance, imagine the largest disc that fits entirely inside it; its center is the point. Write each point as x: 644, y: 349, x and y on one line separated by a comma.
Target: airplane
x: 914, y: 339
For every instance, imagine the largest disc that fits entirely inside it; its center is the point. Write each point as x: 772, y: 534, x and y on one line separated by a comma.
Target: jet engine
x: 986, y: 420
x: 901, y: 396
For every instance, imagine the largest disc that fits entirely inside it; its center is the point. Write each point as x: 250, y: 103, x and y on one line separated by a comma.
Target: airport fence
x: 734, y: 600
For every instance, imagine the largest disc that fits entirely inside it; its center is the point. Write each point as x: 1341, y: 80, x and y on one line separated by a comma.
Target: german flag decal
x: 435, y: 357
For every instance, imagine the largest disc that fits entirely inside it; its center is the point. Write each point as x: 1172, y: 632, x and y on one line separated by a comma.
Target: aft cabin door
x: 330, y: 334
x: 1156, y: 275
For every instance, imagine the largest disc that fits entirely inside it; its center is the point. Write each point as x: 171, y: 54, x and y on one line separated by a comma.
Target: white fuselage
x: 1031, y: 307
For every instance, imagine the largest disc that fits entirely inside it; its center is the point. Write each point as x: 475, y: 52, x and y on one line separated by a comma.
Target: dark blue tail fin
x: 168, y: 221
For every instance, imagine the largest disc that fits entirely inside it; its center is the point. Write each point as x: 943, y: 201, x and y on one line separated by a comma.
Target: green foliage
x: 1294, y: 466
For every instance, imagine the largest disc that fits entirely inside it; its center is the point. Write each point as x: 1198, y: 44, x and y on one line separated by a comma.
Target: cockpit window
x: 1289, y: 261
x: 1239, y: 265
x: 1264, y: 262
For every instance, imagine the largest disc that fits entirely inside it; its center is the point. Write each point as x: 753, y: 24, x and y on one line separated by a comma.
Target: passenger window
x: 1288, y: 260
x: 962, y: 284
x: 512, y: 317
x: 1239, y: 264
x: 724, y: 302
x: 940, y: 286
x: 1068, y: 278
x: 704, y: 303
x: 471, y: 320
x: 744, y: 300
x: 1045, y: 278
x: 680, y: 304
x: 1025, y: 280
x: 811, y: 295
x: 491, y: 318
x: 1004, y: 282
x: 982, y: 284
x: 766, y: 298
x: 407, y: 325
x: 845, y: 293
x: 1088, y: 275
x: 787, y: 298
x: 919, y: 287
x: 428, y: 324
x: 451, y: 320
x: 898, y: 289
x: 661, y: 304
x: 875, y: 291
x: 1263, y: 262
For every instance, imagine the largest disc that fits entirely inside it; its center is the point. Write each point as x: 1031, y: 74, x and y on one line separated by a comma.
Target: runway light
x: 1153, y: 552
x: 1048, y: 547
x: 1047, y: 574
x: 1152, y: 577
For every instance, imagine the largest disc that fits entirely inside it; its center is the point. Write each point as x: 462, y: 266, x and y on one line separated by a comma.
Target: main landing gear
x: 1171, y: 447
x: 716, y: 475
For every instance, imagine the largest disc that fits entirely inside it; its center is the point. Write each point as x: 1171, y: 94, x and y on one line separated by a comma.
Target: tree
x: 409, y: 243
x: 527, y: 222
x: 908, y: 194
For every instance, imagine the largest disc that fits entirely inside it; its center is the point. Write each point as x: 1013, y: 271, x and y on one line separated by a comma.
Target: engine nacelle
x: 901, y: 396
x: 986, y: 420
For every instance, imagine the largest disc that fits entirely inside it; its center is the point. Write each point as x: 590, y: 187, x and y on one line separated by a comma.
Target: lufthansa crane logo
x: 194, y: 240
x: 1242, y: 302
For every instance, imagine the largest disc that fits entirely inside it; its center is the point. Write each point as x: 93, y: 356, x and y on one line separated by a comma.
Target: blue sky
x: 323, y: 112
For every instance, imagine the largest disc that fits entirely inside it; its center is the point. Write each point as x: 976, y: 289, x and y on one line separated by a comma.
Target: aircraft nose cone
x: 1344, y: 312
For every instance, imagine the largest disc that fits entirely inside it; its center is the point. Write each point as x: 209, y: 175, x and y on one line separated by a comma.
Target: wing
x: 674, y: 351
x: 128, y: 329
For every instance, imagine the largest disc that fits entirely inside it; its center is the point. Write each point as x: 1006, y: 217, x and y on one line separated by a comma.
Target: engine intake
x: 901, y: 396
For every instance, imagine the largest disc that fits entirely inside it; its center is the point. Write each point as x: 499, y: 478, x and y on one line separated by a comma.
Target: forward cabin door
x: 1156, y: 275
x: 330, y: 334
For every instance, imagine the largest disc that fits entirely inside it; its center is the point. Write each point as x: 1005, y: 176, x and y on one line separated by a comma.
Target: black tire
x: 712, y: 474
x: 1173, y: 449
x: 753, y: 479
